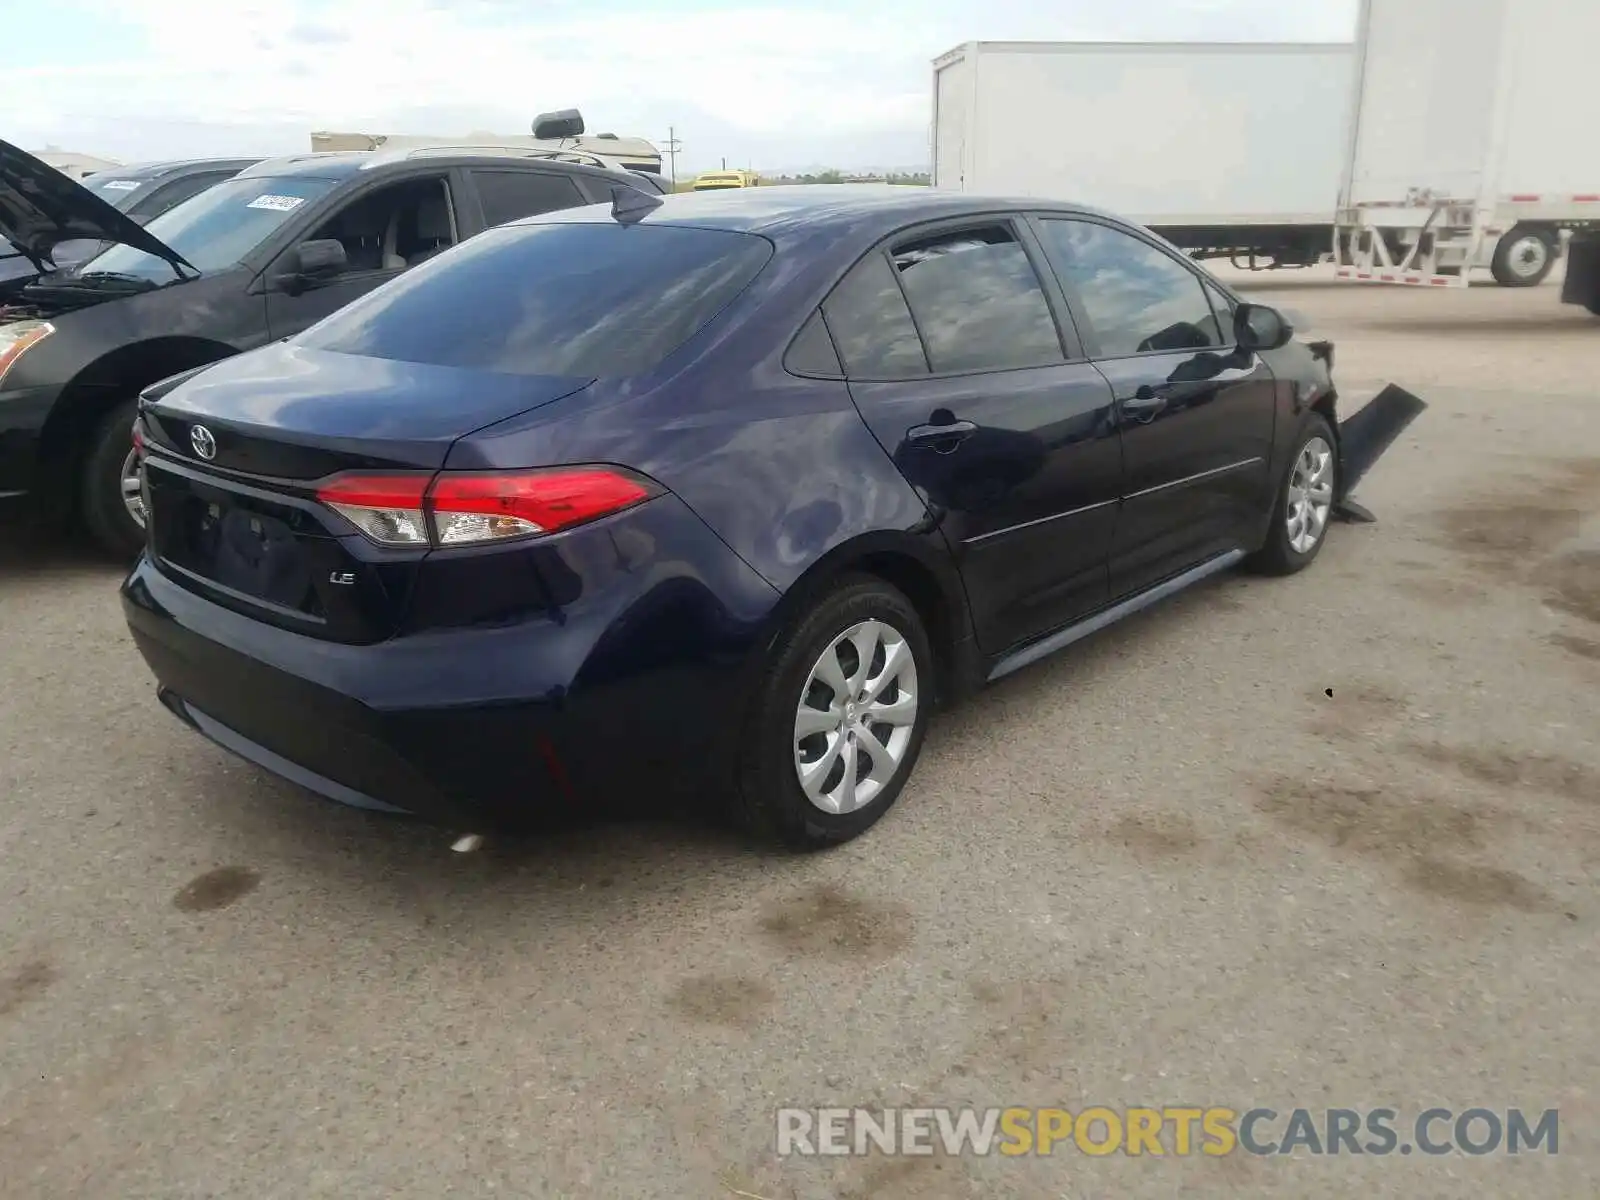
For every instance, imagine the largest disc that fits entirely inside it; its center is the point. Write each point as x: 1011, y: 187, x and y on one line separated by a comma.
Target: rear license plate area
x: 244, y: 545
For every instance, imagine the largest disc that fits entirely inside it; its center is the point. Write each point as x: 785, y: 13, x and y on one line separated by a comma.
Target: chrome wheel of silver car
x: 855, y: 719
x: 132, y: 489
x: 1310, y: 495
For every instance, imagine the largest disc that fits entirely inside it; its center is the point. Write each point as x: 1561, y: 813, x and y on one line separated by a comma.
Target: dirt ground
x: 1330, y: 841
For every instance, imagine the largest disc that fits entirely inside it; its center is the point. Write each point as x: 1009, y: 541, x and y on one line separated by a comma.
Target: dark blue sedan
x: 712, y: 493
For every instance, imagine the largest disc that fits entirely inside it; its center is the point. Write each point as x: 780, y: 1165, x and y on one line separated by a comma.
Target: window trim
x: 1073, y: 349
x: 821, y: 319
x: 1074, y: 298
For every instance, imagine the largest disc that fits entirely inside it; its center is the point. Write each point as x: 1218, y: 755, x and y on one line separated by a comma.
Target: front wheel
x: 113, y: 507
x: 839, y: 718
x: 1304, y: 504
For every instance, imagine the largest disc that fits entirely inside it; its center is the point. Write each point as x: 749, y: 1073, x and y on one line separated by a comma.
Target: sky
x: 843, y: 83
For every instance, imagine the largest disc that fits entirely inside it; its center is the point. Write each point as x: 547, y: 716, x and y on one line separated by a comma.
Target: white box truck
x: 1226, y: 149
x: 1472, y: 143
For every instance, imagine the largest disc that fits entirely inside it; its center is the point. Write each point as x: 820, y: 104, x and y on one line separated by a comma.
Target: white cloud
x: 828, y: 80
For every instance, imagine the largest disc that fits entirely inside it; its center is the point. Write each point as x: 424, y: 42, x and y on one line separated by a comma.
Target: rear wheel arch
x: 919, y: 571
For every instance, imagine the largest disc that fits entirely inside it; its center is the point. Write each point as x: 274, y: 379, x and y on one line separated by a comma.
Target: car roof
x: 776, y: 212
x: 344, y: 164
x: 187, y: 166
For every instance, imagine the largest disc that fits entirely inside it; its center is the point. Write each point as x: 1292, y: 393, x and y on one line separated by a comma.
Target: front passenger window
x: 1138, y: 299
x: 394, y: 227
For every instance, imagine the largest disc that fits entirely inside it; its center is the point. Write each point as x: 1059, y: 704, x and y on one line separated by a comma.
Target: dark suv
x: 250, y: 260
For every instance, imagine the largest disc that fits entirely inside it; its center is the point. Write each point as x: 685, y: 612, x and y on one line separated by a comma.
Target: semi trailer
x: 1228, y: 150
x: 1472, y: 145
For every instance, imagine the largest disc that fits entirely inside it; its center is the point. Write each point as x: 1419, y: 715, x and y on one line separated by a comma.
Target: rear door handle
x: 943, y: 438
x: 1143, y: 406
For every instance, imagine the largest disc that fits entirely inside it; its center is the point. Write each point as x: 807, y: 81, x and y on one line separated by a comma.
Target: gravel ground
x: 1167, y: 867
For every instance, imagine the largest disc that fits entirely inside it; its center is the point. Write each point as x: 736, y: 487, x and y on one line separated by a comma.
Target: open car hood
x: 41, y: 207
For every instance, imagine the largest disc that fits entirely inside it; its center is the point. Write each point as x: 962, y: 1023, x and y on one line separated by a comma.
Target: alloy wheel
x: 1310, y: 495
x: 855, y: 718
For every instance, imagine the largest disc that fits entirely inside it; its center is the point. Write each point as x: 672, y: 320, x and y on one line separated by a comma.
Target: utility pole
x: 673, y: 146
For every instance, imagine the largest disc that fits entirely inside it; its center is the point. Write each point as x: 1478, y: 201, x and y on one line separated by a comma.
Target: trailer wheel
x: 1524, y: 257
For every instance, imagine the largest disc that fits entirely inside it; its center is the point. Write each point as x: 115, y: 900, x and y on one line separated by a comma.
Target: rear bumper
x: 273, y: 699
x: 479, y: 727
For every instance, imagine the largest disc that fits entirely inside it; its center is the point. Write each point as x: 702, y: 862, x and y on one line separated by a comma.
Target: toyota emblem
x: 205, y: 445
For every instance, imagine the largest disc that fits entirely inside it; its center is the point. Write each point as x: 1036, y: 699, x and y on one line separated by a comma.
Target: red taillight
x: 478, y: 508
x: 386, y: 508
x: 469, y: 508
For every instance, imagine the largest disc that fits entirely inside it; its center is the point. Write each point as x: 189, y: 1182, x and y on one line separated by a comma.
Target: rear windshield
x: 582, y: 300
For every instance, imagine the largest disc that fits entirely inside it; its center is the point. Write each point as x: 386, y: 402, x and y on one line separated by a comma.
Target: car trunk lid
x: 235, y: 455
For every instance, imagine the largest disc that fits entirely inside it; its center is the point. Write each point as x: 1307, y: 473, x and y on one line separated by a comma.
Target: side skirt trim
x: 1063, y: 638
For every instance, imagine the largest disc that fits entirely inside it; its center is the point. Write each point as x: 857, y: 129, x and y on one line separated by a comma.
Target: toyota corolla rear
x: 335, y: 588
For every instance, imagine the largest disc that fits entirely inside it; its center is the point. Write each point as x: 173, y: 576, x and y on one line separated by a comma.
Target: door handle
x: 1143, y: 406
x: 943, y: 438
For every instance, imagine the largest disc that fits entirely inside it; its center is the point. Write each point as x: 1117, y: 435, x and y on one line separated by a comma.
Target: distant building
x: 73, y: 165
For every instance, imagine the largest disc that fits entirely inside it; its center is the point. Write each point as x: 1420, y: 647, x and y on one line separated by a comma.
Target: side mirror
x: 1257, y: 327
x: 322, y: 258
x: 312, y: 262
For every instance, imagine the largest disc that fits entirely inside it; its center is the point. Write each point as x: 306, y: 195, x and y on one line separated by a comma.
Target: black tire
x: 1278, y: 556
x: 769, y: 802
x: 1519, y: 260
x: 105, y: 515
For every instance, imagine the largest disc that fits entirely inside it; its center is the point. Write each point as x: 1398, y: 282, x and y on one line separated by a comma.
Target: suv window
x: 170, y: 195
x: 1137, y: 298
x: 588, y: 300
x: 871, y: 324
x: 977, y: 301
x: 393, y: 227
x: 508, y: 195
x: 217, y: 228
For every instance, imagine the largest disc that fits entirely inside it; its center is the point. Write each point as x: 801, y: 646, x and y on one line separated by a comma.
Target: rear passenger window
x: 511, y: 195
x: 977, y: 301
x: 871, y: 324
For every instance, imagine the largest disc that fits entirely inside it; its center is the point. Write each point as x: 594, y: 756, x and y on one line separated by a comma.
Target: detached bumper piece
x: 1366, y: 437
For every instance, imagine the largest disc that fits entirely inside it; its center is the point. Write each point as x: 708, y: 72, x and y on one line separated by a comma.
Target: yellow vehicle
x: 712, y: 181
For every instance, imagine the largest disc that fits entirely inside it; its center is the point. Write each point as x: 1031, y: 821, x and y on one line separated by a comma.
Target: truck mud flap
x: 1582, y: 284
x: 1365, y: 437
